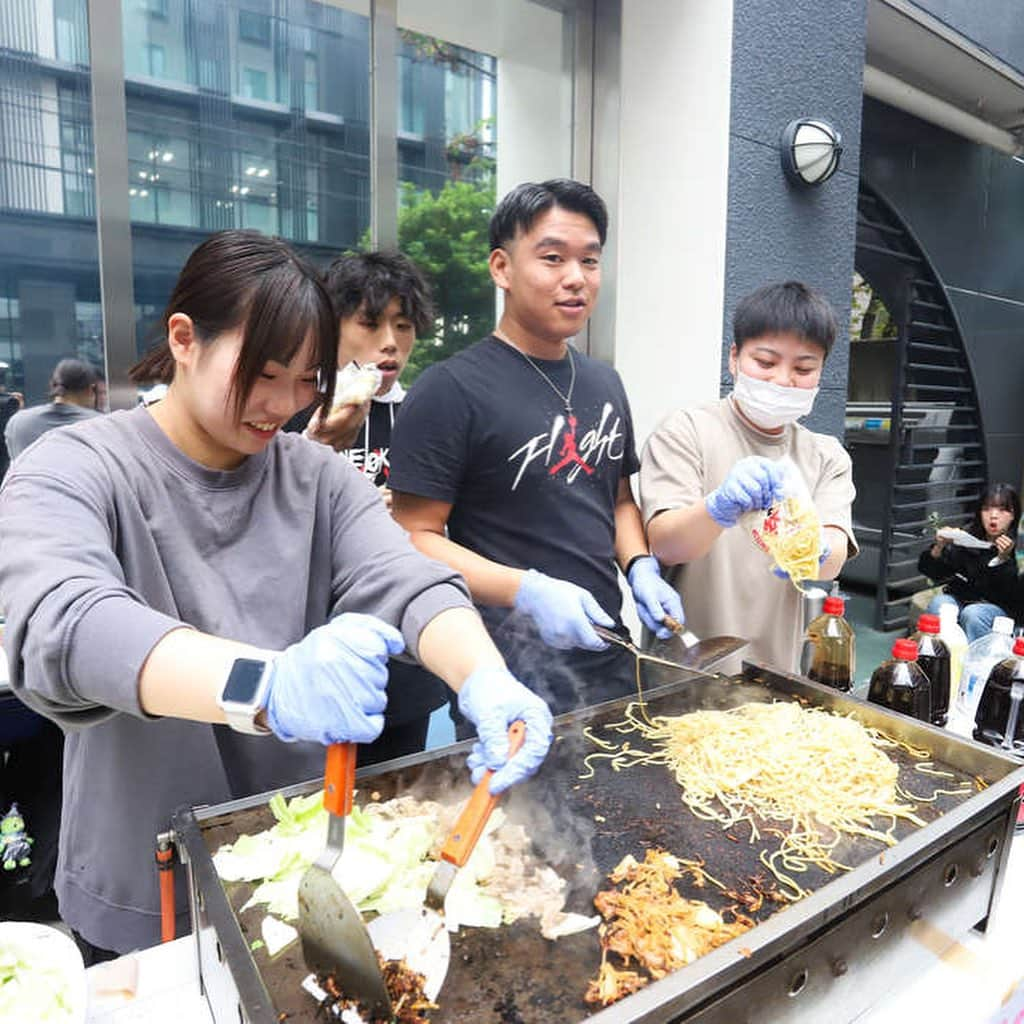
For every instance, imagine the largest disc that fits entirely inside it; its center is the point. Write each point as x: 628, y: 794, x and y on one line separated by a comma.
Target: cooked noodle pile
x: 791, y: 534
x: 802, y: 774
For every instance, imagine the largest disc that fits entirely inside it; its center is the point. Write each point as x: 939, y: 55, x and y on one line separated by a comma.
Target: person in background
x: 511, y: 461
x: 383, y: 304
x: 10, y: 403
x: 703, y: 468
x: 201, y: 601
x: 981, y: 582
x: 73, y: 397
x: 31, y: 761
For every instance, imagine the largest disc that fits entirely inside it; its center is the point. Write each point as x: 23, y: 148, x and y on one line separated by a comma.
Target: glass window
x: 156, y: 63
x: 311, y: 85
x: 49, y: 266
x: 254, y: 27
x: 71, y: 31
x: 254, y: 84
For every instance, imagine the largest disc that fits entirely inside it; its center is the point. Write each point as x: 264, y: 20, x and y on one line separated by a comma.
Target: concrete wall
x: 996, y: 25
x: 794, y: 58
x: 965, y: 205
x: 672, y: 196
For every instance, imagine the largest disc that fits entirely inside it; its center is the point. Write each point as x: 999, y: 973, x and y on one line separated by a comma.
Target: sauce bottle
x: 900, y: 684
x: 1000, y: 718
x: 829, y: 647
x: 934, y: 660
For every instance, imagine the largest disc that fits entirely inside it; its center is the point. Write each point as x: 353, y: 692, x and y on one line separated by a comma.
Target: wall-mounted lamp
x: 810, y: 151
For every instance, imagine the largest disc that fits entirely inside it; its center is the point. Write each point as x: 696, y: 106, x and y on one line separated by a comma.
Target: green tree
x: 445, y: 233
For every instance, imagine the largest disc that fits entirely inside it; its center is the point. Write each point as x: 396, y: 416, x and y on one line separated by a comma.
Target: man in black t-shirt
x: 511, y: 460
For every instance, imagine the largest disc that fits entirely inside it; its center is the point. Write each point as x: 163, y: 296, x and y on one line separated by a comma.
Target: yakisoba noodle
x: 791, y: 534
x: 805, y: 775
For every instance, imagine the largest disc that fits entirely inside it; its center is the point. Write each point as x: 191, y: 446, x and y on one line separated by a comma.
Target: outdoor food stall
x: 804, y: 926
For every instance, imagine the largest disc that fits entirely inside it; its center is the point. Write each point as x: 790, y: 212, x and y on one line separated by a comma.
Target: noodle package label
x: 790, y: 531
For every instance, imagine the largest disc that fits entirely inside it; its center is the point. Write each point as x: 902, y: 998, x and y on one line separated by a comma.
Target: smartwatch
x: 245, y: 694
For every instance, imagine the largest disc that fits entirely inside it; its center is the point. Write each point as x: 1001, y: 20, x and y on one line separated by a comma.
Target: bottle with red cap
x: 934, y: 660
x: 900, y: 684
x: 1000, y: 720
x: 828, y: 654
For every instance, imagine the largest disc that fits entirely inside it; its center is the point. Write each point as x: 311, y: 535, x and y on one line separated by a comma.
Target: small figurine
x: 15, y: 844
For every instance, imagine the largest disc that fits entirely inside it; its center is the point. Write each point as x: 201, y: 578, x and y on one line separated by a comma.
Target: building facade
x: 334, y: 125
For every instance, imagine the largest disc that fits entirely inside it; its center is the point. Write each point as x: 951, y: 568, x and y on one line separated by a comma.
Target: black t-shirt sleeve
x: 429, y: 443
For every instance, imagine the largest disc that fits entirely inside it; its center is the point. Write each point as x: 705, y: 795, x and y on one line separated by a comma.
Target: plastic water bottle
x: 954, y: 638
x: 981, y: 656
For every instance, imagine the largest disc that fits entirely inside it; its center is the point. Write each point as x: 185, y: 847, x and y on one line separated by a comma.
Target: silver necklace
x: 566, y: 398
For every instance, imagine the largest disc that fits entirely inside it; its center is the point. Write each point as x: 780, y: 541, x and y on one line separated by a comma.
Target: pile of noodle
x: 791, y: 534
x: 806, y: 775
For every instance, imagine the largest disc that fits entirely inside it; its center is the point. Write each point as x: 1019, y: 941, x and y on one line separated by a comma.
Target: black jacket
x: 968, y: 577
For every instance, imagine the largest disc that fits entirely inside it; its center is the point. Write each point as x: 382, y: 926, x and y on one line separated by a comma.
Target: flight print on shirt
x: 567, y: 455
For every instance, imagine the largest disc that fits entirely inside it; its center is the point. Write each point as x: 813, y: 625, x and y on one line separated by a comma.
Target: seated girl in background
x: 981, y: 582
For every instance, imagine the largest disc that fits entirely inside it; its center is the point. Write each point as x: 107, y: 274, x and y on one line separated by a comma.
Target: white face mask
x: 772, y: 405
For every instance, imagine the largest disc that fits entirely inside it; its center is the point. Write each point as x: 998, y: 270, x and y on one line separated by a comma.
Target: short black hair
x: 791, y: 307
x: 71, y: 375
x: 370, y: 280
x: 525, y: 203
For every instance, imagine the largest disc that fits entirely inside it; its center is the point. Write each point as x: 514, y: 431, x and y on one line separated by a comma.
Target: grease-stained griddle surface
x: 582, y: 828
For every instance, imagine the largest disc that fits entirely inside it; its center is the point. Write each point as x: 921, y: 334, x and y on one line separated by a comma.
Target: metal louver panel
x: 936, y: 451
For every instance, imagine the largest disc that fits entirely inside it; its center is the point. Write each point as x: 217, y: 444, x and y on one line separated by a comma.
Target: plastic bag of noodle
x: 790, y: 530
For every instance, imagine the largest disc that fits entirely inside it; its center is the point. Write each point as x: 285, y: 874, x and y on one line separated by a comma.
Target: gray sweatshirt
x: 109, y: 538
x: 29, y: 425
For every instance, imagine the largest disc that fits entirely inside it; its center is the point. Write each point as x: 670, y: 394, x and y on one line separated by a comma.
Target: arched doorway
x: 913, y: 420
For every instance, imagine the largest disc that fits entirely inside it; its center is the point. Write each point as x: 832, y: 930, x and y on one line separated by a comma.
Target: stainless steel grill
x: 829, y: 956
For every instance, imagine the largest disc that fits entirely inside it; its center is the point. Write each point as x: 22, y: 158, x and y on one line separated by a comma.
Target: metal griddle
x: 829, y: 956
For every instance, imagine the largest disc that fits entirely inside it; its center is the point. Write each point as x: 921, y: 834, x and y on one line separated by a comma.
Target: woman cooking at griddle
x: 180, y: 578
x: 981, y: 581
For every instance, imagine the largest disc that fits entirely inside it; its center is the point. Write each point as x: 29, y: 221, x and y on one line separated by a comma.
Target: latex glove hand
x: 492, y: 699
x: 826, y: 550
x: 562, y: 612
x: 330, y: 686
x: 654, y: 597
x: 754, y: 482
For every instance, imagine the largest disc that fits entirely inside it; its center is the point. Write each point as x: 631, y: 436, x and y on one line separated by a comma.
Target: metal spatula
x: 684, y: 647
x: 419, y: 935
x: 334, y: 937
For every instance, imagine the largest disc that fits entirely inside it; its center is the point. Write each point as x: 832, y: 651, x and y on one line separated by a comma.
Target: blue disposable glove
x: 561, y: 611
x: 654, y: 597
x: 492, y: 699
x: 752, y: 483
x: 330, y: 686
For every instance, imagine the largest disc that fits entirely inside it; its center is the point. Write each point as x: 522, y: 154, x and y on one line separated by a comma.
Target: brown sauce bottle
x: 934, y: 660
x: 900, y: 685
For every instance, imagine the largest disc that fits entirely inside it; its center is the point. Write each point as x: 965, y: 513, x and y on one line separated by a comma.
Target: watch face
x: 244, y: 681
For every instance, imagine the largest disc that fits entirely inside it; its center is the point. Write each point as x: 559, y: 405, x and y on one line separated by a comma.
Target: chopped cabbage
x: 31, y: 988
